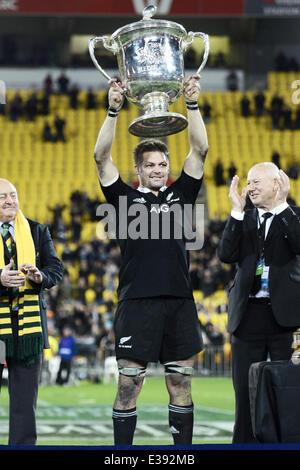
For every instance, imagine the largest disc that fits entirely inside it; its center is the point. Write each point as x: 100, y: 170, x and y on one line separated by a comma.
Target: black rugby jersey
x: 152, y: 239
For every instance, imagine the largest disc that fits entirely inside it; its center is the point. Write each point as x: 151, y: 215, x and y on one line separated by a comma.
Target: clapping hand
x: 238, y: 200
x: 283, y: 187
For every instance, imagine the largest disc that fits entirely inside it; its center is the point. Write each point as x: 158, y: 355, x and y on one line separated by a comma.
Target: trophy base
x: 158, y: 124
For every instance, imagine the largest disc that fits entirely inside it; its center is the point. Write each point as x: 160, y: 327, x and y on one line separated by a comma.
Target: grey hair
x: 271, y: 169
x: 3, y: 180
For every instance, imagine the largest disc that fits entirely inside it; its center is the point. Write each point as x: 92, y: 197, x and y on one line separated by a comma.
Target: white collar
x: 261, y: 212
x: 11, y: 222
x: 147, y: 190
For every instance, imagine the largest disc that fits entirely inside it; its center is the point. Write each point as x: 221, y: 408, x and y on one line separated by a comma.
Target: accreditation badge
x: 259, y: 267
x: 265, y: 278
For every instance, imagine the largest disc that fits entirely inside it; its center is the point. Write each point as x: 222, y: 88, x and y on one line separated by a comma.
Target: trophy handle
x: 205, y: 39
x: 108, y: 44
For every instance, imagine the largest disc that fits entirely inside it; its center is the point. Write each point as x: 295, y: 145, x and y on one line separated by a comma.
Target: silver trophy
x: 151, y: 67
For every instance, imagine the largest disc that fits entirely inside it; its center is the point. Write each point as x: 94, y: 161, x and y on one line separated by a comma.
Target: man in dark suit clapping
x: 264, y: 299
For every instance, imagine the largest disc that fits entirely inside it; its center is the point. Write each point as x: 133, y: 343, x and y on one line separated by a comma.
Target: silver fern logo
x: 123, y: 340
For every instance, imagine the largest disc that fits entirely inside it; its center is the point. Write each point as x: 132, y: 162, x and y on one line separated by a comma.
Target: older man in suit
x: 28, y: 264
x: 264, y: 299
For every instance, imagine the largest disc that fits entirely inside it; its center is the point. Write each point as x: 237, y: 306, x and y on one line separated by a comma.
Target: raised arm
x: 107, y: 170
x: 194, y: 163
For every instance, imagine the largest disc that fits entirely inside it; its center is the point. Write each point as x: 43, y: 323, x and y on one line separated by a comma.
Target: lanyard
x: 261, y: 234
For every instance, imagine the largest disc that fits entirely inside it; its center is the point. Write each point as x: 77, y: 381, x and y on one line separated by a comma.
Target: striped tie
x: 11, y: 246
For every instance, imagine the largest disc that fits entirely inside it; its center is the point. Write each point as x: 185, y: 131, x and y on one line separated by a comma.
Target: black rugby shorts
x: 157, y: 329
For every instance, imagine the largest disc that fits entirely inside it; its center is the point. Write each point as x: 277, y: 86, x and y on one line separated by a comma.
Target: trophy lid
x: 148, y: 23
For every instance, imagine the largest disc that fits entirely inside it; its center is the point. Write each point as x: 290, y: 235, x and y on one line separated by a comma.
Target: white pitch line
x: 214, y: 410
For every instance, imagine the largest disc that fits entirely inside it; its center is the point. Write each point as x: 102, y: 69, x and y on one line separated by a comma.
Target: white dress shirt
x: 277, y: 210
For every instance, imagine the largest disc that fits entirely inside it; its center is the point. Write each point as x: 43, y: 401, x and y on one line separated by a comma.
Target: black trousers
x: 23, y: 383
x: 257, y: 338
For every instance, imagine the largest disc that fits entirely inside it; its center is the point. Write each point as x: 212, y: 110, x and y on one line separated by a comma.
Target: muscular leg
x: 181, y: 409
x: 124, y: 411
x: 129, y: 387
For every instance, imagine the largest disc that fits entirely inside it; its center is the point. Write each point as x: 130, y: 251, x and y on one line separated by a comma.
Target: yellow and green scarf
x: 30, y: 337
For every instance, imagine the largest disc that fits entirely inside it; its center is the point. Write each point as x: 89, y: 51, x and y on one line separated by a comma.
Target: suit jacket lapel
x: 252, y: 227
x: 274, y: 228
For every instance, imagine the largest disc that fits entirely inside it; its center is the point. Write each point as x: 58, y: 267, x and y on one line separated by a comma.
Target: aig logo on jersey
x: 159, y: 209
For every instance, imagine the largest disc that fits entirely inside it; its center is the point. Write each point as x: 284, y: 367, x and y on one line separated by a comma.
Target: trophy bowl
x: 151, y: 67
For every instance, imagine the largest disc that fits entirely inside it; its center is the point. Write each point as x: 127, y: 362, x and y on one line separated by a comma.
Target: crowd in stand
x: 38, y: 104
x: 223, y: 176
x: 282, y: 117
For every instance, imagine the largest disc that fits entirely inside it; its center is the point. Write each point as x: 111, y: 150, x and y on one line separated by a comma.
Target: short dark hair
x: 152, y: 145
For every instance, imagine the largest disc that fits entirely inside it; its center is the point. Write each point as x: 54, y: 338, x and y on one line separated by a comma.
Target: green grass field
x: 81, y: 414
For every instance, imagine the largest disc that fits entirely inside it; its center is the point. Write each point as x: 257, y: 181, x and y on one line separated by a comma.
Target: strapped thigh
x: 132, y: 371
x: 175, y: 368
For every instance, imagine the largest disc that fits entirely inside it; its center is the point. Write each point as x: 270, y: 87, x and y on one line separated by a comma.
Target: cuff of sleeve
x: 38, y: 286
x: 237, y: 215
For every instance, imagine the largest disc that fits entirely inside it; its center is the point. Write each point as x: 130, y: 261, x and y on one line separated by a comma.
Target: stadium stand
x: 57, y: 184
